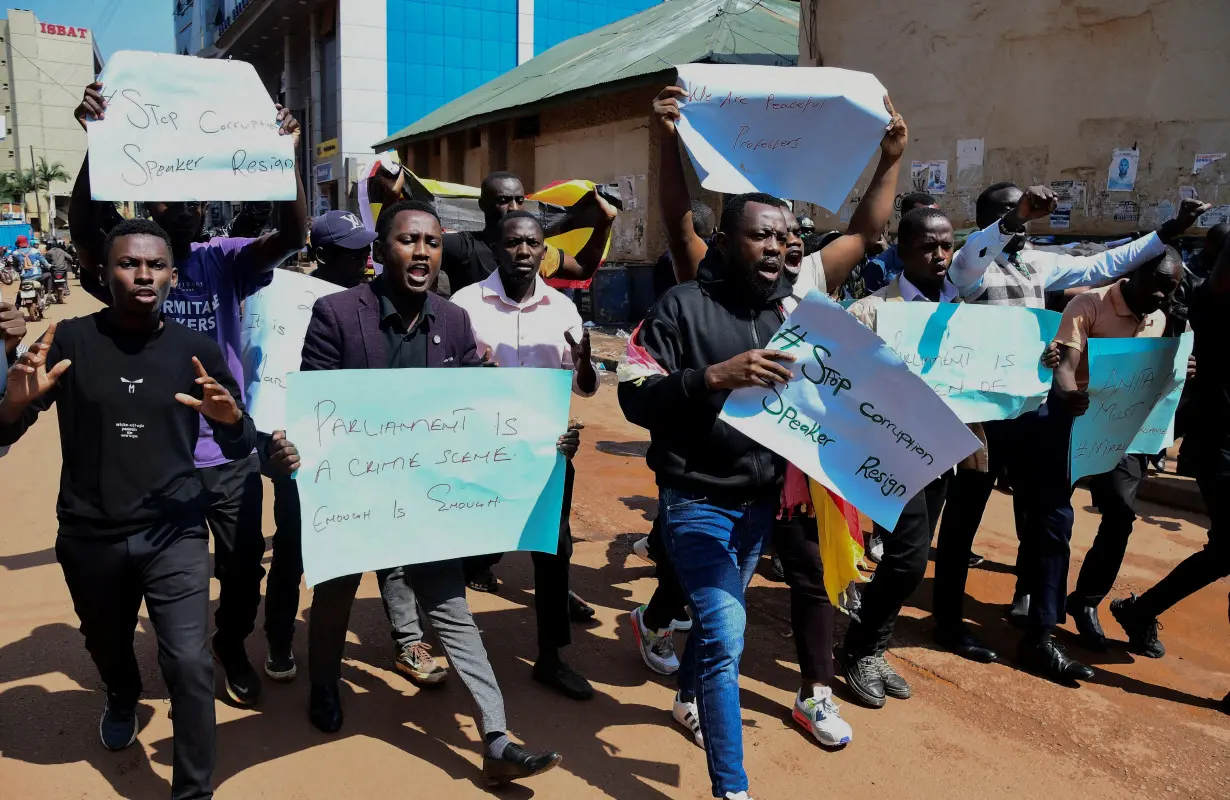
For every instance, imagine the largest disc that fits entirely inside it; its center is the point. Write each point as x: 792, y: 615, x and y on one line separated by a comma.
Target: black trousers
x: 966, y: 501
x: 550, y: 577
x: 900, y: 571
x: 1044, y: 487
x: 1213, y: 561
x: 668, y: 602
x: 811, y: 613
x: 167, y: 566
x: 286, y: 567
x: 1114, y: 493
x: 234, y: 517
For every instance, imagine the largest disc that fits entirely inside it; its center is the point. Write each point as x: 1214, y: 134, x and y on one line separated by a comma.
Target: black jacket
x: 695, y: 325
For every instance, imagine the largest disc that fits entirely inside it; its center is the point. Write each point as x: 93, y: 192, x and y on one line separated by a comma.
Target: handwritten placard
x: 186, y: 128
x: 983, y: 361
x: 404, y: 466
x: 275, y: 320
x: 1128, y: 380
x: 854, y: 417
x: 803, y: 133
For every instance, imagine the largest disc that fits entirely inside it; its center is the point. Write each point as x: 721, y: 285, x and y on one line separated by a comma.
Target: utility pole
x: 38, y: 207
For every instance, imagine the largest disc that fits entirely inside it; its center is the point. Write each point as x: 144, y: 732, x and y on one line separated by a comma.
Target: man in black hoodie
x: 718, y: 489
x: 130, y: 388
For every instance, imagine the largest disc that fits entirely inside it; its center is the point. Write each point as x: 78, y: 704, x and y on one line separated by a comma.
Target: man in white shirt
x: 997, y: 267
x: 522, y: 322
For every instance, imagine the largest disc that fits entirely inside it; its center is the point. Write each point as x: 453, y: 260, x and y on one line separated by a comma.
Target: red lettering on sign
x: 62, y: 30
x: 42, y: 27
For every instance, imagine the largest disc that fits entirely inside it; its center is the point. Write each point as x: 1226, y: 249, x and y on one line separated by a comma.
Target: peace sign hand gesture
x: 217, y: 405
x: 29, y: 379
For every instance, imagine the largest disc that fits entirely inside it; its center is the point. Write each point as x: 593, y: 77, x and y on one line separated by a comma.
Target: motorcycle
x: 7, y: 275
x: 30, y: 301
x: 59, y: 284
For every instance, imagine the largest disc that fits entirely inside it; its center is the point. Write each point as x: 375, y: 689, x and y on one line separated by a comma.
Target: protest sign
x: 1128, y: 380
x: 185, y: 128
x: 979, y: 377
x: 405, y: 466
x: 275, y: 320
x: 853, y: 417
x: 800, y: 132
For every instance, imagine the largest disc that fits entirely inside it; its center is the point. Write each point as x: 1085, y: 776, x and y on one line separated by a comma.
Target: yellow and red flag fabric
x: 841, y: 543
x: 570, y: 226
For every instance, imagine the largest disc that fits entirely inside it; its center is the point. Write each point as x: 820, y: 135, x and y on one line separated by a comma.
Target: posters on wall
x: 970, y: 153
x: 929, y: 176
x: 1121, y: 175
x: 1188, y: 193
x: 1061, y: 217
x: 1202, y: 160
x: 1214, y: 216
x: 1126, y: 211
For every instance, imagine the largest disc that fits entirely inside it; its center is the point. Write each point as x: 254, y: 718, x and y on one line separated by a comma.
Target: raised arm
x: 686, y: 248
x: 272, y: 249
x: 589, y: 257
x: 984, y: 246
x: 844, y: 253
x: 87, y: 235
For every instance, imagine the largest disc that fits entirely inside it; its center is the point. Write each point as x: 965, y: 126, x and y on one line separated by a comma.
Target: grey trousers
x: 441, y: 590
x: 400, y: 607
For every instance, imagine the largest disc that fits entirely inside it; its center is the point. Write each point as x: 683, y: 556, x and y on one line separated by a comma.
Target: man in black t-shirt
x: 468, y: 257
x: 129, y: 389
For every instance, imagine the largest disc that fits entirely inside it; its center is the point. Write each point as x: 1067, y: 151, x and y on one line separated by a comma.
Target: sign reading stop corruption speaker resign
x: 853, y: 417
x: 180, y: 128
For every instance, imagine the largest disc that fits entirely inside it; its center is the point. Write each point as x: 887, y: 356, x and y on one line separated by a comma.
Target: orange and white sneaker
x: 820, y: 716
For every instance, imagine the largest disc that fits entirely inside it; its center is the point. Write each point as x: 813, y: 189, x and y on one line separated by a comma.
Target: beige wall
x: 1052, y: 87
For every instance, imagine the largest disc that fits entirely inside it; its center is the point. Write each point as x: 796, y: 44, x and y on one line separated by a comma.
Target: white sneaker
x: 657, y: 648
x: 738, y: 796
x: 682, y: 625
x: 687, y: 716
x: 821, y: 716
x: 641, y: 548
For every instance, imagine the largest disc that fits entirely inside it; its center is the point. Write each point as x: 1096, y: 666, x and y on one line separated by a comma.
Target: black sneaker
x: 863, y: 677
x: 563, y: 679
x: 119, y: 724
x: 280, y: 664
x: 1141, y: 631
x: 894, y: 684
x: 243, y: 685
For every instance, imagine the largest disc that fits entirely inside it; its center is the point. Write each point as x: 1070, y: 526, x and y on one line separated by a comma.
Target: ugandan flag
x: 841, y: 544
x: 569, y: 213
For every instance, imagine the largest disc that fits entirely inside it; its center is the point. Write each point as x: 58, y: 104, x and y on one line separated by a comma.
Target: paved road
x: 1141, y: 729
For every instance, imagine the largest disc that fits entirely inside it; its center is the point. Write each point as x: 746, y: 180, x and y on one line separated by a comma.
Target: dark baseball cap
x: 341, y: 229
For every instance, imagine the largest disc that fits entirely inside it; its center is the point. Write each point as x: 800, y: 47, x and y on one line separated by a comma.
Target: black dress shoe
x: 563, y: 679
x: 863, y: 677
x: 1018, y: 612
x: 1141, y: 630
x: 517, y: 763
x: 1092, y: 637
x: 958, y: 639
x: 1046, y: 658
x: 326, y: 707
x: 578, y: 609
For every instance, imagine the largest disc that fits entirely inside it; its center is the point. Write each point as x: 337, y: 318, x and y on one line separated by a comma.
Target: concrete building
x: 1049, y: 89
x: 45, y: 66
x: 355, y: 71
x: 582, y: 110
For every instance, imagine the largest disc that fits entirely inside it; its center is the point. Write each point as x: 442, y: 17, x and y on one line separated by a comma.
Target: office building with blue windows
x: 356, y: 71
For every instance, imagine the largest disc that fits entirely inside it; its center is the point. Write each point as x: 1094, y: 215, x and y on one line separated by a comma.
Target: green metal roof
x: 673, y: 32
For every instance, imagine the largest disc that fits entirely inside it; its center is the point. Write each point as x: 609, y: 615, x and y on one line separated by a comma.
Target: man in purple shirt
x: 214, y: 278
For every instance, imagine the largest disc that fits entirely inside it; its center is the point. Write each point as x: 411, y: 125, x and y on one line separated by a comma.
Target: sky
x: 117, y: 24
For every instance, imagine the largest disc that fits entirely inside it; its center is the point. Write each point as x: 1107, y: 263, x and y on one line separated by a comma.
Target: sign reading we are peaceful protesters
x: 186, y: 128
x: 1134, y: 386
x: 979, y: 377
x: 275, y: 320
x: 854, y: 417
x: 404, y: 466
x: 800, y: 132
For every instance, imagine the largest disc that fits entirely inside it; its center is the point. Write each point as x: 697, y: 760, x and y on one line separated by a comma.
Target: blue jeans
x: 714, y: 550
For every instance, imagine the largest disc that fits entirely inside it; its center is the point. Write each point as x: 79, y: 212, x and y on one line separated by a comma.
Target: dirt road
x: 1140, y: 729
